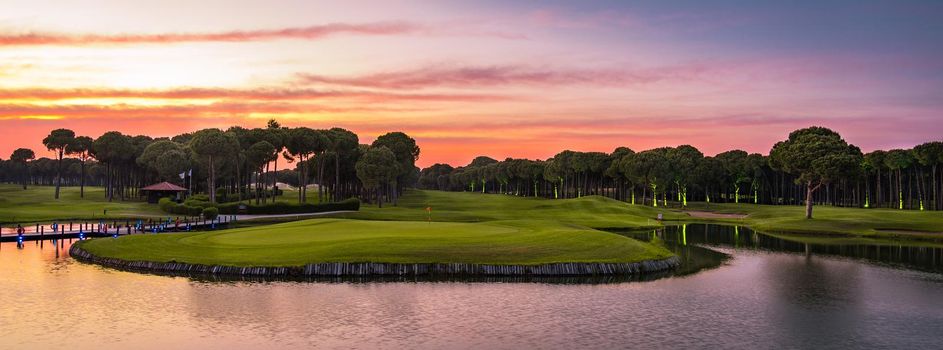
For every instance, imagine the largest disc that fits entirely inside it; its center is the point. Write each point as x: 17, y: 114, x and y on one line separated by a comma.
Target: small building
x: 164, y: 189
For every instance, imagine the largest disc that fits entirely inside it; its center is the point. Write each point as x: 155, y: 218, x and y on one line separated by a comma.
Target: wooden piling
x: 388, y: 269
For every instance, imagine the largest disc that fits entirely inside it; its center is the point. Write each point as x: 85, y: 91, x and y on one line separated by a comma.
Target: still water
x: 743, y: 290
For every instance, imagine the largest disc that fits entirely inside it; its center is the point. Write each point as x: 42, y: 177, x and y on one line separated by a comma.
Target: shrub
x: 190, y: 207
x: 166, y: 204
x: 225, y: 197
x: 210, y: 213
x: 290, y: 208
x: 200, y: 197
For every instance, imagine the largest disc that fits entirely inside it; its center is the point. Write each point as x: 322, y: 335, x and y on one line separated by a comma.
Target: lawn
x: 870, y: 223
x: 465, y: 228
x: 589, y: 211
x: 486, y: 229
x: 512, y: 242
x: 37, y: 203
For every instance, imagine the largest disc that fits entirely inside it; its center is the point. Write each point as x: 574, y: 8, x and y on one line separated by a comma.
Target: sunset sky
x: 496, y: 78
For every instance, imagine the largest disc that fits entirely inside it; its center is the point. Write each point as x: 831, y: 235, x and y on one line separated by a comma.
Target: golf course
x: 34, y: 205
x: 461, y: 228
x: 436, y: 227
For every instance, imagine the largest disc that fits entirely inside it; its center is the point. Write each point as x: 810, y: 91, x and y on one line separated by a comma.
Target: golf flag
x: 183, y: 174
x: 429, y: 209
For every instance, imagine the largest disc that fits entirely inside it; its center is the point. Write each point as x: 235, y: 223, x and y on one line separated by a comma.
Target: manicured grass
x: 589, y: 211
x: 465, y: 228
x: 513, y: 242
x: 871, y: 223
x: 37, y: 203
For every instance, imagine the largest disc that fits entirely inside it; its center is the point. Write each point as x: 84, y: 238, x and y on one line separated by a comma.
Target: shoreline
x: 384, y: 269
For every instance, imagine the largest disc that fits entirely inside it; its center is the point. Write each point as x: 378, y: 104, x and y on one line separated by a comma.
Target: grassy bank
x: 866, y: 223
x: 465, y: 228
x: 514, y: 242
x: 589, y: 211
x: 38, y: 204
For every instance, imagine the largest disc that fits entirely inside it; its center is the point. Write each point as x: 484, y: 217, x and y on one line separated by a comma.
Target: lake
x: 738, y: 289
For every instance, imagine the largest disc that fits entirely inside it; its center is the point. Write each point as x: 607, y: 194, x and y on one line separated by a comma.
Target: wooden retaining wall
x: 386, y: 269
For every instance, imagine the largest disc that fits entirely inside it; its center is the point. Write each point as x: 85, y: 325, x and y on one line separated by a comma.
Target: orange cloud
x: 22, y: 111
x: 264, y: 94
x: 302, y: 33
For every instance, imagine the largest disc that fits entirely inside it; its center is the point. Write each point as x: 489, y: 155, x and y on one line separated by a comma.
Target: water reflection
x: 921, y: 258
x: 757, y: 298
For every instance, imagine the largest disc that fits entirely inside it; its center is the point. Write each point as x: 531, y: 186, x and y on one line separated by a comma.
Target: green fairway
x: 515, y: 242
x: 590, y: 211
x: 882, y: 223
x: 465, y: 228
x: 37, y: 204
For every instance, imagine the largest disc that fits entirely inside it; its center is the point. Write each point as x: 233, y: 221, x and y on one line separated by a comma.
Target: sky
x: 496, y: 78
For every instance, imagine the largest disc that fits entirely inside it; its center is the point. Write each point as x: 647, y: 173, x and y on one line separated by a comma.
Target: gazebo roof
x: 164, y: 186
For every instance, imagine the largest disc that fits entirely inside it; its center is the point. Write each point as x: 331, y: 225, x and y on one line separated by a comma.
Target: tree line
x: 813, y: 165
x: 236, y: 164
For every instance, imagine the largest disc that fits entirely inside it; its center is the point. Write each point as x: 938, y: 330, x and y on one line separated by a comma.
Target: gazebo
x: 164, y: 189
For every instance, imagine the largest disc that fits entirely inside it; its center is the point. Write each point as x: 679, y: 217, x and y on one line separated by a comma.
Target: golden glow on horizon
x: 469, y: 82
x: 32, y: 117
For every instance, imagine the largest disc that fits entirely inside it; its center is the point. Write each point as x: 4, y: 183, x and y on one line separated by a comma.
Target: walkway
x: 103, y: 228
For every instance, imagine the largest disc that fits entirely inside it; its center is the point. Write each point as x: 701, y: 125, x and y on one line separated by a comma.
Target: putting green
x: 511, y: 242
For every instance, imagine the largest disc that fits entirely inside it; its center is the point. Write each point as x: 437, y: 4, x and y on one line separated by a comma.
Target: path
x: 93, y: 228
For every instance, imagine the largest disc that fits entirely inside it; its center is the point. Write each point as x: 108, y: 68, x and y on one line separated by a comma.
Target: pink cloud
x: 472, y: 76
x: 264, y: 94
x: 302, y: 33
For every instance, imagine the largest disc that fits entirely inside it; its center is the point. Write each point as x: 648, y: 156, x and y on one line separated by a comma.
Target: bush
x: 290, y: 208
x: 225, y: 197
x: 200, y: 197
x: 210, y: 213
x: 197, y: 202
x: 190, y: 207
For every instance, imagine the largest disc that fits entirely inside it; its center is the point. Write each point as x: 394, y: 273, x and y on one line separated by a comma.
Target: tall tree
x: 212, y: 145
x: 277, y: 137
x: 684, y: 161
x: 897, y: 160
x: 344, y: 144
x: 737, y: 169
x: 111, y: 149
x: 710, y: 173
x: 874, y: 162
x: 148, y: 158
x: 406, y: 152
x: 57, y: 141
x: 302, y: 144
x: 378, y: 169
x: 81, y: 147
x: 651, y: 169
x: 930, y: 155
x: 22, y: 156
x: 816, y: 156
x: 257, y: 156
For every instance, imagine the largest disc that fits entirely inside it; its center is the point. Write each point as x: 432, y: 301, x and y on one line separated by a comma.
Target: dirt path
x: 713, y: 215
